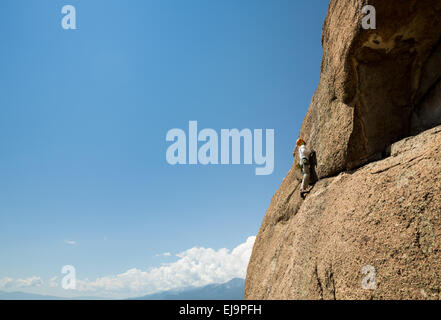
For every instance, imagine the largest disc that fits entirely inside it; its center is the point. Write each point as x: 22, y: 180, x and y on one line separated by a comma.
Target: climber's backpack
x: 312, y: 166
x: 312, y: 158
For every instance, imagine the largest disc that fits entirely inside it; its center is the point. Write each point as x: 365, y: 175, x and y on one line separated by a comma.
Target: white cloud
x: 6, y: 282
x: 165, y: 254
x: 29, y: 282
x: 71, y: 242
x: 53, y: 282
x: 195, y: 267
x: 21, y: 283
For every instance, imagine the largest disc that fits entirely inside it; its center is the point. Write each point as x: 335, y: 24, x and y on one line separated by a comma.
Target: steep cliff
x: 376, y: 211
x: 373, y: 83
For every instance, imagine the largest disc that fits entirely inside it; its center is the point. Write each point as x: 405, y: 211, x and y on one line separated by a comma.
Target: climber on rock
x: 305, y: 166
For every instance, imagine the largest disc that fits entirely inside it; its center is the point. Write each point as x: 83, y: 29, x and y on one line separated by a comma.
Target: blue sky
x: 84, y: 114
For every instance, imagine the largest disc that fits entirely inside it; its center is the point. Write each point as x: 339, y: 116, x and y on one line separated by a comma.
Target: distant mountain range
x: 231, y: 290
x: 18, y: 295
x: 25, y: 296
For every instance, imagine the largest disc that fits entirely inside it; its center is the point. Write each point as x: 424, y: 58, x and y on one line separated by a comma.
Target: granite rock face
x: 373, y: 82
x: 374, y: 122
x: 385, y: 215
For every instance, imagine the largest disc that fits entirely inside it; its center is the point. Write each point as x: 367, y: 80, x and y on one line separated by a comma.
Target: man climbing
x: 304, y: 164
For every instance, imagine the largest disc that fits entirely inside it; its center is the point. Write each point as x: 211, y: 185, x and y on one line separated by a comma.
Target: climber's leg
x: 306, y: 176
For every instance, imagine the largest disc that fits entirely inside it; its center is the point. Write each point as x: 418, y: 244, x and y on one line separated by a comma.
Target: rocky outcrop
x: 386, y: 215
x: 376, y: 211
x: 373, y: 82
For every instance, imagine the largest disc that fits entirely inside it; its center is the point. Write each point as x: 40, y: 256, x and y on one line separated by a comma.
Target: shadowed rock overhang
x: 376, y: 86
